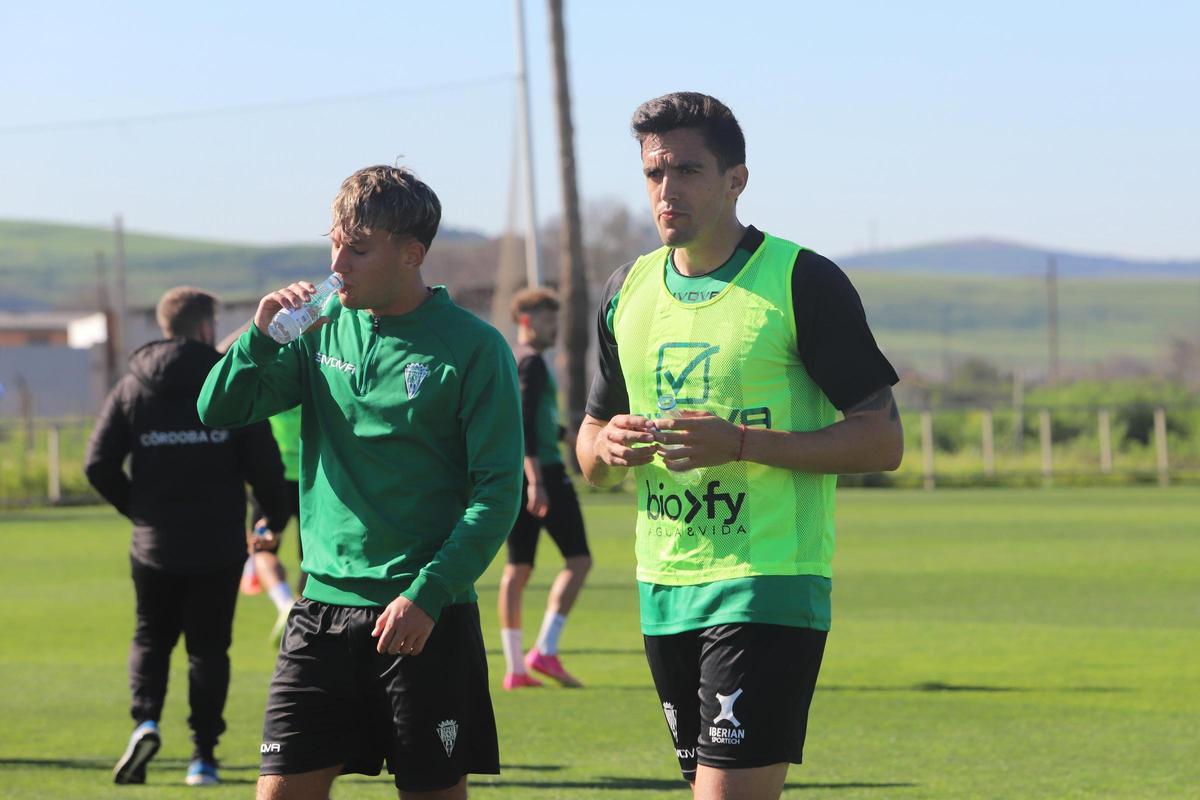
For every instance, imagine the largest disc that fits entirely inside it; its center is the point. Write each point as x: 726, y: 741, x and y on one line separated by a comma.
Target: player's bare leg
x: 568, y: 583
x: 301, y: 786
x: 563, y: 593
x: 755, y: 783
x: 512, y: 589
x: 456, y: 792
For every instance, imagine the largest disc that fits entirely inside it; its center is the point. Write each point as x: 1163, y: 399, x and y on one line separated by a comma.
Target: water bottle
x: 668, y: 409
x: 289, y: 323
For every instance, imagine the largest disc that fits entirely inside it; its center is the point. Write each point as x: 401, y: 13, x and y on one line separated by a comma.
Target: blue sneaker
x: 143, y: 744
x: 202, y: 772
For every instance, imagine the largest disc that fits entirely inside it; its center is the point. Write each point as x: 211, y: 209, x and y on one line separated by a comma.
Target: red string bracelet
x: 742, y: 444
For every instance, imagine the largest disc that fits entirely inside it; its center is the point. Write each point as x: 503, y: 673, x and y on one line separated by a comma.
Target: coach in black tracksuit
x: 185, y: 495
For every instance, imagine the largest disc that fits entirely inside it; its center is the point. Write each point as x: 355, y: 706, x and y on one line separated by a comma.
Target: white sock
x: 248, y: 567
x: 514, y: 656
x: 281, y: 596
x: 552, y: 625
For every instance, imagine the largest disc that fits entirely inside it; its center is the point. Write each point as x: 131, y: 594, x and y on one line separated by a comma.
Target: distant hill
x: 927, y: 306
x: 46, y: 265
x: 926, y: 320
x: 989, y: 257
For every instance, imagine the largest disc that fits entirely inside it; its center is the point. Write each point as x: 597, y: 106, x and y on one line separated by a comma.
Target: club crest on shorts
x: 447, y: 731
x: 414, y: 376
x: 672, y: 720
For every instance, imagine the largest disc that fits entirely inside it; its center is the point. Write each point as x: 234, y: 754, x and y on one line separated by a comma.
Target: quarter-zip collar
x: 396, y: 324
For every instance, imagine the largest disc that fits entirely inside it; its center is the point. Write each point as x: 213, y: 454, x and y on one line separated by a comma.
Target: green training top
x: 285, y: 427
x: 411, y: 451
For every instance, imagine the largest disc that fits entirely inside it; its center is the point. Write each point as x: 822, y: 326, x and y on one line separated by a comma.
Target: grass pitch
x: 986, y: 644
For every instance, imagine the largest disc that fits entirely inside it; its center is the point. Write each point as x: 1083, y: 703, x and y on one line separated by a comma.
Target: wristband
x: 742, y: 443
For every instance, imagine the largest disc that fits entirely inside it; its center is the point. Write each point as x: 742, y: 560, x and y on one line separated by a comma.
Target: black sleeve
x: 531, y: 377
x: 608, y: 395
x: 106, y: 451
x: 262, y: 465
x: 832, y: 336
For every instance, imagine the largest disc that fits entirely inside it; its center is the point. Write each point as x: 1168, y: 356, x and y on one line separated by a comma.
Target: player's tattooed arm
x: 879, y: 400
x: 869, y: 439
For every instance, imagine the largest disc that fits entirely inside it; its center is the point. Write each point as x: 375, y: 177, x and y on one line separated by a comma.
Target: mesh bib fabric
x: 735, y: 357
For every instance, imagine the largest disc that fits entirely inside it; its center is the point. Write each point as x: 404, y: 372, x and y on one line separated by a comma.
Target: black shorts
x: 736, y: 696
x: 564, y: 522
x: 334, y: 700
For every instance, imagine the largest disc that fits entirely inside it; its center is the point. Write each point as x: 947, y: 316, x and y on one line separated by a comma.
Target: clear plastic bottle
x: 288, y: 324
x: 668, y: 409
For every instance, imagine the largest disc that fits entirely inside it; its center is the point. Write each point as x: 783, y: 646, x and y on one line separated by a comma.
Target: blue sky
x: 1072, y: 125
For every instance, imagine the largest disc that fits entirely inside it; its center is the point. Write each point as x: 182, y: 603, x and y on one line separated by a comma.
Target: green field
x: 986, y: 644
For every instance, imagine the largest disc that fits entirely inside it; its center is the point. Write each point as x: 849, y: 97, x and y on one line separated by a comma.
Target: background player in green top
x: 757, y: 343
x: 263, y: 569
x: 410, y: 474
x: 550, y: 502
x: 267, y: 570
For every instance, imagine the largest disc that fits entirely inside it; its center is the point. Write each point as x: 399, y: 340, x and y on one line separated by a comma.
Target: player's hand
x: 697, y: 439
x: 290, y: 297
x: 614, y: 445
x: 402, y: 628
x: 262, y: 539
x: 537, y: 502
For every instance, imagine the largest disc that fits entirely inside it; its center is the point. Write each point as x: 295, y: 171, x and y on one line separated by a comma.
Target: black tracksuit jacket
x: 185, y: 491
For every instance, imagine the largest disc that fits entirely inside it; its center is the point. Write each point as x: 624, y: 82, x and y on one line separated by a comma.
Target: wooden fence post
x: 1047, y: 446
x: 1160, y: 445
x: 989, y: 449
x: 927, y: 447
x: 53, y: 472
x: 1106, y: 464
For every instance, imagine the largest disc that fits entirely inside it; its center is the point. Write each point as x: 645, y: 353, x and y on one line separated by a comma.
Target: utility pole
x: 105, y: 308
x: 572, y: 274
x: 120, y: 305
x: 508, y: 274
x: 533, y: 269
x: 1052, y: 317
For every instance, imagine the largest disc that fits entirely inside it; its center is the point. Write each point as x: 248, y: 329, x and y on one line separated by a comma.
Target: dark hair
x: 539, y: 298
x: 708, y: 115
x: 182, y: 310
x: 386, y: 198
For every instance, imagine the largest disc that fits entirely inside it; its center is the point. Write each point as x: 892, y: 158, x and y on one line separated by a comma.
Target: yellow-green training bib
x: 735, y: 356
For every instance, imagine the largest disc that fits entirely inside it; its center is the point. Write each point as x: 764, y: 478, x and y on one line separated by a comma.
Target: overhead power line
x: 250, y: 108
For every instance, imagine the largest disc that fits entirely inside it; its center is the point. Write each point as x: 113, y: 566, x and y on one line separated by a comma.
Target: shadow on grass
x: 106, y: 765
x: 935, y: 686
x: 603, y: 782
x: 662, y: 785
x: 41, y: 514
x: 586, y: 651
x: 624, y: 784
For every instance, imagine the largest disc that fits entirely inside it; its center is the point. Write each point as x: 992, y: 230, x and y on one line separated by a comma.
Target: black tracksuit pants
x: 201, y: 608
